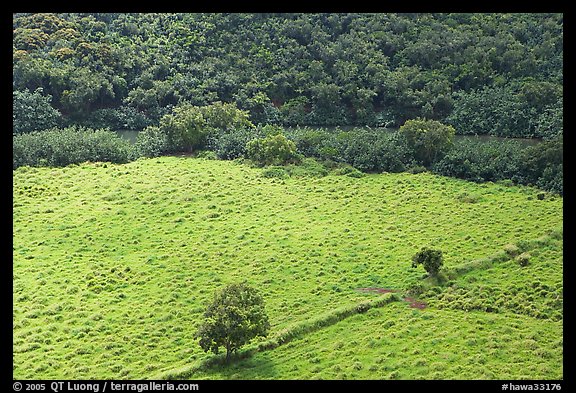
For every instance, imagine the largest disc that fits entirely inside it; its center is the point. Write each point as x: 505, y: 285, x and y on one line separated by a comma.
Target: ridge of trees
x: 498, y: 74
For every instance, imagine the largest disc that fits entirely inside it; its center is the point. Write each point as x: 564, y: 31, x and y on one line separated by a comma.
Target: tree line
x: 497, y: 74
x: 226, y: 132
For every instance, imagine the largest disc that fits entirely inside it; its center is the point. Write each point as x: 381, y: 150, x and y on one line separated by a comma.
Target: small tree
x: 189, y: 127
x: 33, y: 111
x: 235, y: 316
x: 431, y: 259
x: 428, y: 139
x: 272, y: 150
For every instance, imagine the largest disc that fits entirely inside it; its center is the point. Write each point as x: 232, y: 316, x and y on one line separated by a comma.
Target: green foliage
x: 33, y: 112
x: 479, y: 161
x: 520, y: 109
x: 500, y: 74
x: 151, y: 142
x: 349, y: 171
x: 428, y: 139
x: 232, y: 144
x: 184, y: 128
x: 121, y: 118
x: 272, y: 150
x: 235, y: 316
x: 72, y: 145
x: 539, y: 165
x: 523, y: 259
x: 275, y: 172
x: 374, y: 152
x: 189, y: 127
x: 295, y: 111
x: 431, y: 259
x: 543, y: 165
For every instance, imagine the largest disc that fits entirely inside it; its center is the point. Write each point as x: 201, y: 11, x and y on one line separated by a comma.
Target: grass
x: 114, y: 264
x: 399, y: 342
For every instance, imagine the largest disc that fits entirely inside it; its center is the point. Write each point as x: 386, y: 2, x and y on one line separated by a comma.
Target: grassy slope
x: 113, y: 264
x: 446, y: 340
x: 399, y: 342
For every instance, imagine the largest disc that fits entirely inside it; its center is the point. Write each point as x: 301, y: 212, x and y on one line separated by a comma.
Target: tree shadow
x: 258, y: 366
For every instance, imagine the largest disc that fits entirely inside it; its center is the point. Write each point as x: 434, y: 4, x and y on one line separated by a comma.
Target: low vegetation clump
x: 71, y: 145
x: 272, y: 150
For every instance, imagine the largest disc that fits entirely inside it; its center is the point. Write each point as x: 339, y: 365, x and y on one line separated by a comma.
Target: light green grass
x: 114, y: 264
x: 399, y: 342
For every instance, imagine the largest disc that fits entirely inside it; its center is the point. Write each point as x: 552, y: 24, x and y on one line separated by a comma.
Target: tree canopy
x: 482, y: 73
x: 234, y: 317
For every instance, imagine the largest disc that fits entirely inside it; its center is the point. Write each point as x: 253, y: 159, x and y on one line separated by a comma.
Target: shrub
x: 428, y: 139
x: 509, y: 110
x: 232, y: 144
x: 307, y: 167
x: 478, y: 160
x: 272, y: 150
x: 72, y: 145
x: 33, y: 112
x: 431, y: 259
x: 189, y: 127
x: 276, y: 172
x: 523, y: 259
x: 371, y: 151
x: 121, y: 118
x: 309, y: 141
x: 151, y: 142
x: 543, y: 165
x: 349, y: 171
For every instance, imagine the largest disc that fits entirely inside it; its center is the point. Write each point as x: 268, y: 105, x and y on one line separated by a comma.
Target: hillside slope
x: 113, y: 264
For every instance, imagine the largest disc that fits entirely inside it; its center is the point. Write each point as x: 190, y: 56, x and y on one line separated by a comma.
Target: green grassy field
x: 114, y: 264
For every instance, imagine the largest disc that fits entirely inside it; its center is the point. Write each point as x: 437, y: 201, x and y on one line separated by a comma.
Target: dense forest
x: 294, y: 196
x: 498, y: 74
x: 262, y: 86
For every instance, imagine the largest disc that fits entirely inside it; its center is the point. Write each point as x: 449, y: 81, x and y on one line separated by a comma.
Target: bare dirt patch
x: 411, y: 301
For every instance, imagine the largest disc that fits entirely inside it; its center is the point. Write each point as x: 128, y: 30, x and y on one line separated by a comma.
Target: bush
x: 348, y: 171
x: 543, y: 165
x: 272, y: 150
x: 151, y: 142
x: 309, y: 141
x: 429, y: 140
x: 275, y: 172
x: 33, y: 112
x: 510, y: 110
x: 373, y: 151
x: 189, y: 127
x: 122, y: 118
x: 232, y: 145
x: 72, y: 145
x: 523, y: 259
x: 431, y: 259
x: 479, y: 161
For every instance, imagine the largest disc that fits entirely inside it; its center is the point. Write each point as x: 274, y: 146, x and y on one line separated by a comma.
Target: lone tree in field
x: 235, y: 316
x: 431, y: 259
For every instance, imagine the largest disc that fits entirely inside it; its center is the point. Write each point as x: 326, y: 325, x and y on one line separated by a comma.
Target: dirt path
x: 412, y: 302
